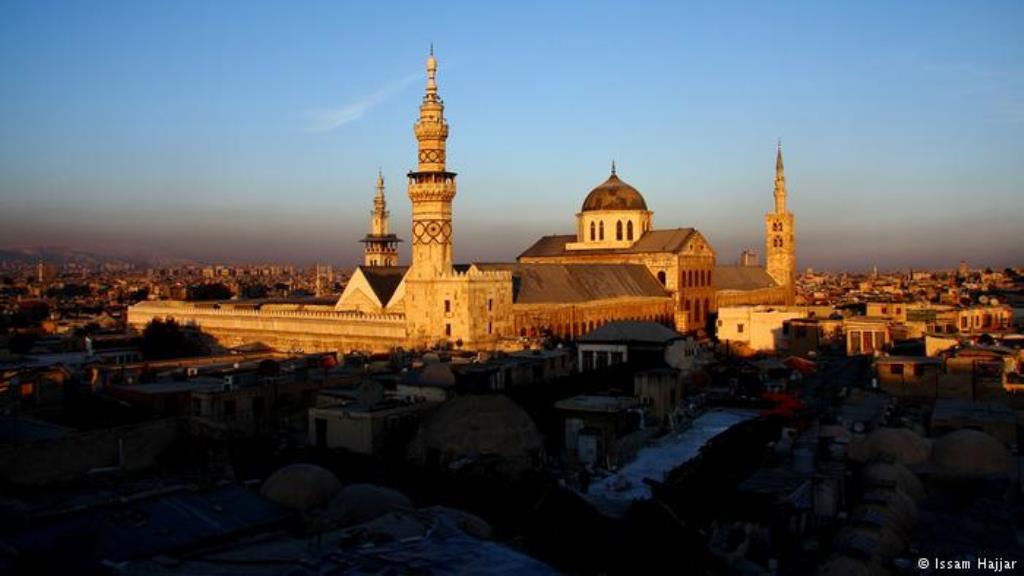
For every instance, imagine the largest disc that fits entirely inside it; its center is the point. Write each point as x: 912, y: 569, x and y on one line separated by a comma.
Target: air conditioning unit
x: 192, y: 372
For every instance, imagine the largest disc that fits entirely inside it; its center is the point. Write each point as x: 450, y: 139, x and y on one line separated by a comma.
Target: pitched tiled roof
x: 671, y: 240
x: 631, y: 331
x: 568, y: 283
x: 742, y: 278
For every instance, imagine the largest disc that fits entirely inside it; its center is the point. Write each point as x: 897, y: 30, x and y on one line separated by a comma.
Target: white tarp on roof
x: 615, y: 493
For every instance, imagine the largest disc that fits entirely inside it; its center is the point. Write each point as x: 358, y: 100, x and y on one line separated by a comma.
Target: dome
x: 884, y: 475
x: 899, y: 507
x: 469, y: 523
x: 970, y: 453
x: 360, y: 503
x: 876, y: 542
x: 437, y: 375
x: 478, y: 426
x: 893, y: 445
x: 301, y: 486
x: 614, y: 194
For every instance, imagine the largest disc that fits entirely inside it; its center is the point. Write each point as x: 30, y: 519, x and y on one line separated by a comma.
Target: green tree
x: 165, y: 339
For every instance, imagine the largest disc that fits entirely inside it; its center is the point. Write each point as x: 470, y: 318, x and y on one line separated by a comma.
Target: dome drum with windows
x: 614, y: 215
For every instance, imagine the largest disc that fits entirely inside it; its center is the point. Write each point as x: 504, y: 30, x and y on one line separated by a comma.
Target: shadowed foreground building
x: 616, y: 267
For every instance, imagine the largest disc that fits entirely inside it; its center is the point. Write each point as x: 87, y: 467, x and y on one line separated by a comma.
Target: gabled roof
x: 672, y: 240
x: 384, y: 280
x: 632, y: 331
x: 568, y: 283
x: 742, y: 278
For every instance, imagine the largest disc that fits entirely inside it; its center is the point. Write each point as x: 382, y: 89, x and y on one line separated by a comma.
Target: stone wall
x: 570, y: 321
x: 70, y: 457
x: 285, y: 330
x: 776, y: 295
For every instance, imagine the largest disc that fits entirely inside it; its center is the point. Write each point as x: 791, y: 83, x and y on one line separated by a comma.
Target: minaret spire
x: 613, y: 167
x: 431, y: 95
x: 380, y: 245
x: 780, y: 181
x: 379, y: 204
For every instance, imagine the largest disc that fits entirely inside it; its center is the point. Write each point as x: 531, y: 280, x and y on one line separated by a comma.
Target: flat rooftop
x: 606, y: 404
x: 615, y: 493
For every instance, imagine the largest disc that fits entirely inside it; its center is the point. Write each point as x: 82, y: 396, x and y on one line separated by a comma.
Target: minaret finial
x: 613, y: 167
x: 431, y: 75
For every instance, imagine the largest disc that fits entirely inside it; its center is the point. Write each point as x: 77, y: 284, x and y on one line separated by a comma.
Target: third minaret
x: 780, y: 236
x: 380, y: 245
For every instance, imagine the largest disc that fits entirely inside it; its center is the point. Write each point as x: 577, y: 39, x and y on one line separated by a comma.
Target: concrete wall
x: 759, y: 328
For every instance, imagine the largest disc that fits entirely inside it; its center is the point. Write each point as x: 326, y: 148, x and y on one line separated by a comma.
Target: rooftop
x: 568, y: 283
x: 606, y: 404
x: 632, y: 331
x: 672, y: 240
x: 614, y: 493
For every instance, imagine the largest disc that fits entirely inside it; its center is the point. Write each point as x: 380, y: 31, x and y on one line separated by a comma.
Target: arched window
x: 686, y: 305
x: 689, y: 277
x: 593, y: 232
x: 629, y: 232
x: 618, y: 230
x: 661, y: 277
x: 600, y: 230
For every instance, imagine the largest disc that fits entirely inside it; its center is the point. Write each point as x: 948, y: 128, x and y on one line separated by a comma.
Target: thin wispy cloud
x: 326, y: 119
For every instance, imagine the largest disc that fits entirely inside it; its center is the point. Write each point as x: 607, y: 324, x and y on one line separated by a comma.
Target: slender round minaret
x: 780, y: 236
x: 380, y: 247
x: 431, y: 187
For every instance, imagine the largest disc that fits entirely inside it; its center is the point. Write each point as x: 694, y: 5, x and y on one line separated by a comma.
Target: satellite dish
x: 993, y: 301
x: 983, y: 299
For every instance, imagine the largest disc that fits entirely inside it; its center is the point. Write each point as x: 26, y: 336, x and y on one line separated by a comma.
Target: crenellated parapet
x: 177, y: 309
x: 473, y: 273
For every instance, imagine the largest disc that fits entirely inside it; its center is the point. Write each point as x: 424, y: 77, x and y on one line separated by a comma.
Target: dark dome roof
x: 614, y: 194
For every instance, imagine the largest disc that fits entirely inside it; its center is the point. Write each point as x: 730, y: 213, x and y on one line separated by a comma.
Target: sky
x: 249, y: 131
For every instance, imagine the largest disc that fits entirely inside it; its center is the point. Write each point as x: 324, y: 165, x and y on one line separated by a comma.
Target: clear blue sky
x: 252, y: 131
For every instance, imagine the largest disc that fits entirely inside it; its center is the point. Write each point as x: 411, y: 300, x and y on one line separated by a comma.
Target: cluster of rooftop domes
x: 614, y: 194
x: 479, y: 426
x: 900, y: 445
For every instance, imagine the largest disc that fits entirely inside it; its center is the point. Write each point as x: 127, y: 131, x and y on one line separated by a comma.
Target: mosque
x: 616, y: 266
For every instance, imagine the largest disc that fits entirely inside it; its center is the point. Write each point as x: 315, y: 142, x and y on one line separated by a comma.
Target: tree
x: 254, y: 291
x: 161, y: 340
x: 215, y: 291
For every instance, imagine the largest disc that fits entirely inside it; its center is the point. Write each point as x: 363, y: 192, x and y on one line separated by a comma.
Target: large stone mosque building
x: 616, y: 266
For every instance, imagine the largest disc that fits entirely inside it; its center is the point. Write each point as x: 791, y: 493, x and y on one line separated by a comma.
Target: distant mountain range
x: 61, y: 255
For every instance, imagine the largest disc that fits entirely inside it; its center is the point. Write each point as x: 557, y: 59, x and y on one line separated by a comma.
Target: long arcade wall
x: 284, y: 330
